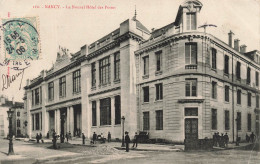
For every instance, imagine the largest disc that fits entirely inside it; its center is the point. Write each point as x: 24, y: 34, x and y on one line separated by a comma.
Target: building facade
x: 19, y: 118
x: 174, y: 82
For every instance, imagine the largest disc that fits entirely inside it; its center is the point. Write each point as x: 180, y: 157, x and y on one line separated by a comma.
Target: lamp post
x: 10, y: 115
x: 62, y: 127
x: 123, y: 134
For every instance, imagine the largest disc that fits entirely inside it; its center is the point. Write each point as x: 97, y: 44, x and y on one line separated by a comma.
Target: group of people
x: 127, y: 141
x: 220, y: 140
x: 101, y: 137
x: 250, y: 138
x: 68, y: 136
x: 39, y: 137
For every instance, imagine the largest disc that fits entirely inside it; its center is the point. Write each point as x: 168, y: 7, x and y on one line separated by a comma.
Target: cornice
x: 104, y: 91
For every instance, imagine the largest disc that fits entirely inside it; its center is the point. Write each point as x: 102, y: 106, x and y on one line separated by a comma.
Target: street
x: 106, y: 153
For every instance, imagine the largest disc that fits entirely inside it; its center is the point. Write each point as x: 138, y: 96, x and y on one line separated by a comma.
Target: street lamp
x: 123, y: 134
x: 62, y: 127
x: 10, y: 115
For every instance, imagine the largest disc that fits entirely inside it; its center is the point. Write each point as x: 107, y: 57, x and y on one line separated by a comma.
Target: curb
x: 156, y: 150
x: 22, y: 160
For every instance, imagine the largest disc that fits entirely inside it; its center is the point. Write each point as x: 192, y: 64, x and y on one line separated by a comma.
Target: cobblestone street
x: 31, y: 152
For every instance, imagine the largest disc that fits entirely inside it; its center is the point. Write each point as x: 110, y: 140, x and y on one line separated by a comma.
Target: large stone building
x: 174, y: 82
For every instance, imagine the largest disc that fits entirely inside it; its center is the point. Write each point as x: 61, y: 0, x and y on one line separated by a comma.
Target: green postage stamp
x: 21, y: 39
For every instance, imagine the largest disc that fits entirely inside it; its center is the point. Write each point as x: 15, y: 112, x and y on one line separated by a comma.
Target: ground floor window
x: 37, y: 121
x: 117, y: 110
x: 226, y: 120
x: 146, y: 121
x: 159, y: 120
x: 94, y: 113
x: 249, y: 122
x: 105, y: 111
x: 214, y: 119
x: 238, y: 120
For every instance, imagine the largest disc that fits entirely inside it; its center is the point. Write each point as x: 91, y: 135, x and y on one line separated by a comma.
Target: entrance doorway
x: 77, y: 120
x: 191, y: 133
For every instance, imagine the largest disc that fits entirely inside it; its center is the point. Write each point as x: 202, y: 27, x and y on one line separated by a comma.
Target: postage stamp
x: 21, y: 38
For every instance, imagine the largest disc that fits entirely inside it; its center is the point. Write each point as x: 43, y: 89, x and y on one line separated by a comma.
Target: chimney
x: 243, y: 48
x: 230, y: 38
x: 236, y: 44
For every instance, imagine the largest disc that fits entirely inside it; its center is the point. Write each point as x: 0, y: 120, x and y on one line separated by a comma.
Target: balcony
x: 191, y: 66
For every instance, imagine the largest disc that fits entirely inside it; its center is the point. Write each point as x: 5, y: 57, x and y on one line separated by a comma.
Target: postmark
x: 21, y: 38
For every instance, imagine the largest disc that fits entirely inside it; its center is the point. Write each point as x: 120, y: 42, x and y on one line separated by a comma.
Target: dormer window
x: 191, y: 21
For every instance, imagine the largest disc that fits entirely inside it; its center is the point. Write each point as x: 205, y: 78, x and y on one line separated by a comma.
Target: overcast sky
x: 76, y: 27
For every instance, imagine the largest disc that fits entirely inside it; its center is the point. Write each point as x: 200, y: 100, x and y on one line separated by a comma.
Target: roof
x: 10, y: 104
x: 141, y: 26
x: 160, y: 31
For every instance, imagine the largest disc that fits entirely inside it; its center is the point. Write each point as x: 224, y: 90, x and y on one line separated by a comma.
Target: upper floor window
x: 190, y: 53
x: 146, y: 94
x: 158, y: 60
x: 32, y: 97
x: 104, y: 70
x: 214, y: 89
x: 76, y: 81
x: 248, y: 79
x: 159, y: 91
x: 238, y: 96
x: 257, y: 78
x: 227, y: 93
x: 214, y: 58
x: 248, y: 99
x: 62, y: 86
x: 18, y: 114
x: 37, y: 96
x: 249, y: 120
x: 191, y: 87
x: 191, y: 21
x: 117, y: 65
x: 146, y: 65
x: 51, y: 91
x: 238, y: 70
x: 93, y: 74
x: 226, y: 65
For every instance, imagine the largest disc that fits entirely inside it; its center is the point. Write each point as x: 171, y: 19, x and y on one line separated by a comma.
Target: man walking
x: 135, y: 140
x: 226, y: 138
x: 94, y: 137
x: 109, y: 137
x: 127, y: 141
x: 252, y: 137
x: 83, y: 139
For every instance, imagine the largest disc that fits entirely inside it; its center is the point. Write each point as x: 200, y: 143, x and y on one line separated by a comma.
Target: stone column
x: 98, y: 113
x: 68, y: 119
x: 55, y: 121
x: 40, y: 121
x: 71, y: 122
x: 113, y: 111
x: 58, y: 121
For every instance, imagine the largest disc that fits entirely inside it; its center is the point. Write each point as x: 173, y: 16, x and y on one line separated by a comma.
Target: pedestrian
x: 37, y: 138
x: 252, y: 137
x: 218, y: 139
x: 41, y: 138
x: 226, y: 138
x: 127, y: 141
x: 215, y: 139
x: 94, y: 137
x: 48, y: 134
x: 108, y: 137
x: 70, y: 137
x: 83, y: 139
x: 102, y: 138
x: 54, y: 140
x: 67, y: 137
x: 135, y: 141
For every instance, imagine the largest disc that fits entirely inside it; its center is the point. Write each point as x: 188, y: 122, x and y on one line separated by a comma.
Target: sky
x: 73, y: 28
